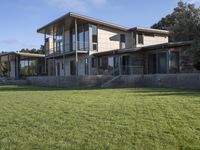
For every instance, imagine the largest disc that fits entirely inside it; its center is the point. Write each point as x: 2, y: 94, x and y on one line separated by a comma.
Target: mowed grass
x: 47, y: 118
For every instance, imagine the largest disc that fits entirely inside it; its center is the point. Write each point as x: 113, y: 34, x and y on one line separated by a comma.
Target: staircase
x: 108, y: 83
x: 116, y: 74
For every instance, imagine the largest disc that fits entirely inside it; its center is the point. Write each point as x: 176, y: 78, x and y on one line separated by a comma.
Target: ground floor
x: 151, y: 60
x: 18, y: 65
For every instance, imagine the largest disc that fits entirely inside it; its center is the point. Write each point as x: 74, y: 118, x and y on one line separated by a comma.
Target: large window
x: 94, y: 37
x: 157, y: 63
x: 140, y: 38
x: 82, y: 38
x: 162, y: 62
x: 174, y: 62
x: 72, y: 67
x: 122, y: 41
x: 94, y: 62
x: 28, y: 67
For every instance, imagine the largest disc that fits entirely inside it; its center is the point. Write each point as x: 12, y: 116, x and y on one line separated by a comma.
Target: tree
x: 184, y: 24
x: 3, y: 69
x: 35, y: 51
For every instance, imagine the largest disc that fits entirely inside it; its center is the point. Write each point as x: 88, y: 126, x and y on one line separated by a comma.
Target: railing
x: 59, y: 48
x: 109, y: 71
x: 128, y: 70
x: 69, y: 47
x: 123, y: 70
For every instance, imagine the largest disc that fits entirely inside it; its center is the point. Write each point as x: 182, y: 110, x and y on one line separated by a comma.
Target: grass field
x: 42, y: 118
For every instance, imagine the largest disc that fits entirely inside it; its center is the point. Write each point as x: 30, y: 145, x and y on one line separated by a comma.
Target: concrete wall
x: 109, y: 39
x: 180, y: 81
x: 153, y: 40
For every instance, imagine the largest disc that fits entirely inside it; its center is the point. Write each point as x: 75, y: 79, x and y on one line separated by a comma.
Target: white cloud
x: 77, y: 5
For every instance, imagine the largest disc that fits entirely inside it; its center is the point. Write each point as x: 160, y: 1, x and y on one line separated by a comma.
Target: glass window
x: 73, y: 40
x: 86, y: 37
x: 28, y: 67
x: 110, y: 62
x: 122, y: 41
x: 94, y: 37
x: 140, y: 38
x: 81, y: 38
x: 174, y: 61
x: 59, y: 43
x: 122, y: 38
x: 72, y: 67
x: 162, y: 63
x: 94, y: 62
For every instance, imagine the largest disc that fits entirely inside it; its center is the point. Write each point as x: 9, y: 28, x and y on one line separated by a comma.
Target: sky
x: 20, y: 19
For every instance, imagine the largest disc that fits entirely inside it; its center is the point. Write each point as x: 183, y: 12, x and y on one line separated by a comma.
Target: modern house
x: 19, y: 65
x: 81, y: 45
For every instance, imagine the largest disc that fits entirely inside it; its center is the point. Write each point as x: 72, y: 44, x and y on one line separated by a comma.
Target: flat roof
x: 146, y: 48
x: 157, y: 46
x: 100, y: 22
x: 32, y: 55
x: 148, y: 30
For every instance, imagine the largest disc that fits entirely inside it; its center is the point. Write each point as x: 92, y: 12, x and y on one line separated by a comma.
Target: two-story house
x: 81, y: 45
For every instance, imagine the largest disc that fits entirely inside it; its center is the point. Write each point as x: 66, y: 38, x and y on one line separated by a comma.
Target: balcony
x: 59, y: 49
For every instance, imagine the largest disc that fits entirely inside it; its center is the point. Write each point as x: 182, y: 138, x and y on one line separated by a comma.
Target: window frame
x: 140, y: 38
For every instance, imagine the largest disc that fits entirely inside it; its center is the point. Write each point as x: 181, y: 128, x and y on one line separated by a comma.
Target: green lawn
x: 42, y: 118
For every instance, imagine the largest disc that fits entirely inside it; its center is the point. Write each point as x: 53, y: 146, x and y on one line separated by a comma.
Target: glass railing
x: 66, y: 48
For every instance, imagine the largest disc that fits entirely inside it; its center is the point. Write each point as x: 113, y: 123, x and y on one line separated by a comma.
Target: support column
x: 15, y: 66
x: 28, y: 68
x: 120, y: 65
x: 8, y: 65
x: 54, y: 71
x: 19, y: 67
x: 168, y: 62
x: 45, y: 61
x: 76, y: 47
x: 64, y: 50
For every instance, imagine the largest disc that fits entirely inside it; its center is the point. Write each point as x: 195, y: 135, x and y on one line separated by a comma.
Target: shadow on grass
x: 165, y: 92
x: 135, y: 91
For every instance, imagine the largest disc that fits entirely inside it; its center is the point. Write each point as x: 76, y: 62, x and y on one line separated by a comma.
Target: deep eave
x: 31, y: 55
x: 84, y: 18
x: 146, y: 48
x: 147, y: 30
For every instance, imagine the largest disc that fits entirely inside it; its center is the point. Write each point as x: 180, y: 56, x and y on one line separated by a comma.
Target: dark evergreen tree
x: 184, y: 24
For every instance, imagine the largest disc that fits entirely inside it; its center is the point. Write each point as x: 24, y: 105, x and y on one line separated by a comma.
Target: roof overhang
x: 23, y: 55
x: 147, y: 30
x: 146, y: 48
x: 69, y: 17
x: 157, y: 47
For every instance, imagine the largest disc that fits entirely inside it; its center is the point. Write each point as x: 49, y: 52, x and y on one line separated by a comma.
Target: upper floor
x: 73, y: 32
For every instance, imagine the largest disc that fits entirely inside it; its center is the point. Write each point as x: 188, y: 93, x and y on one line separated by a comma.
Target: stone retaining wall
x: 13, y: 82
x: 180, y: 81
x: 69, y: 82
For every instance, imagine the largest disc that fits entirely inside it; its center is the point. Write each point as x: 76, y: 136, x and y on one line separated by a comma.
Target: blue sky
x: 21, y: 18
